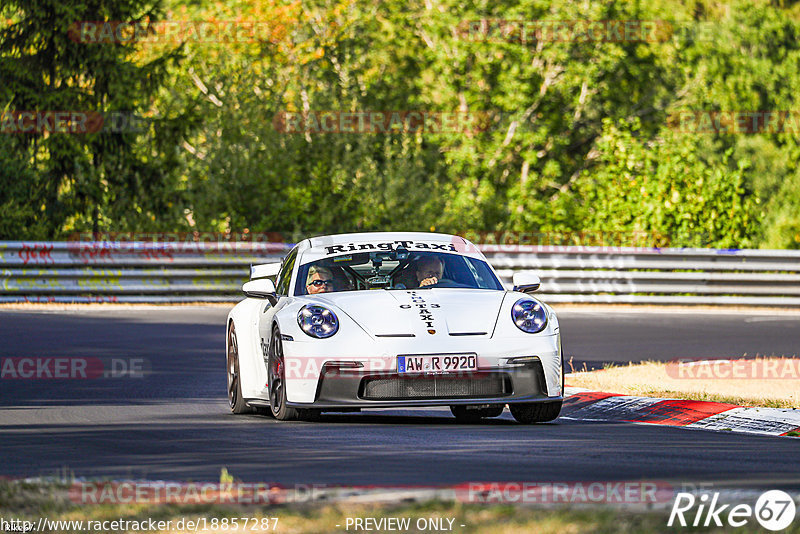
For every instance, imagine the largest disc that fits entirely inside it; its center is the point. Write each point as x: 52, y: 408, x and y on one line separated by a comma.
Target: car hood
x: 389, y: 313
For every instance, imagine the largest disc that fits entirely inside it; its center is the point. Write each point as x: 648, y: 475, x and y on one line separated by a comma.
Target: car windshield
x: 395, y: 269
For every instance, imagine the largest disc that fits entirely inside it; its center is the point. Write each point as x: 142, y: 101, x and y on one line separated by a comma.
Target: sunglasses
x: 320, y: 283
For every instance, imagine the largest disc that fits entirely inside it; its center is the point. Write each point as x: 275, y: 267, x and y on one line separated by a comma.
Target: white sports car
x: 377, y: 320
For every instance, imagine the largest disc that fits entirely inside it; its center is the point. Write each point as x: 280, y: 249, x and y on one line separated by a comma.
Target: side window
x: 285, y: 275
x: 483, y: 275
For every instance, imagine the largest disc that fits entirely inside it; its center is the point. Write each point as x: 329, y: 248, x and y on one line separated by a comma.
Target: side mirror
x: 263, y: 288
x: 264, y: 270
x: 526, y: 282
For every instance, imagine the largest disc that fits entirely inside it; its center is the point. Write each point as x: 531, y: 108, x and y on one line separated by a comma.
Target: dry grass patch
x: 763, y: 382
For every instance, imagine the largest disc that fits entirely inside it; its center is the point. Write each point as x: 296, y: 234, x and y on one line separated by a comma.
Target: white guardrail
x: 78, y: 271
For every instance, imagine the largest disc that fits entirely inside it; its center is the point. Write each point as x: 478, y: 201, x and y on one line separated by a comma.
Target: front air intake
x: 475, y: 385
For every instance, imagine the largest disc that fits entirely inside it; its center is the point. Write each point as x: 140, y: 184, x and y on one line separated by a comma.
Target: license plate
x: 437, y: 363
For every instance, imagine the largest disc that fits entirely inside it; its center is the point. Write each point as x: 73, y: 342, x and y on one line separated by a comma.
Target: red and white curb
x: 585, y: 405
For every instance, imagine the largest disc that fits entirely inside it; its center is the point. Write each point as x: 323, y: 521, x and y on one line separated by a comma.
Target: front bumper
x: 312, y: 375
x: 356, y: 388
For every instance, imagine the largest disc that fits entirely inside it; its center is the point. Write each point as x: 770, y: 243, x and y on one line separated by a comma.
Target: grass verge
x: 761, y: 382
x: 29, y: 502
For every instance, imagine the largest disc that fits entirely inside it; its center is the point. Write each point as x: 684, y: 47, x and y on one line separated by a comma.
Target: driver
x: 429, y: 270
x: 319, y: 280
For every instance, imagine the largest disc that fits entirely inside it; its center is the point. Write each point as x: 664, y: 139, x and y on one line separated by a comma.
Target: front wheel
x: 536, y: 412
x: 277, y: 380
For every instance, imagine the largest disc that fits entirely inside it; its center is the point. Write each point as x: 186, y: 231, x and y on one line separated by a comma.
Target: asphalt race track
x: 174, y: 423
x: 595, y: 336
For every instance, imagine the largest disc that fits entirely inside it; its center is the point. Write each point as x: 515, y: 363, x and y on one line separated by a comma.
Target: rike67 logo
x: 774, y: 510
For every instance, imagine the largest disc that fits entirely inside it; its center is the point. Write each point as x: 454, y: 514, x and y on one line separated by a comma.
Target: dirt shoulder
x: 762, y: 382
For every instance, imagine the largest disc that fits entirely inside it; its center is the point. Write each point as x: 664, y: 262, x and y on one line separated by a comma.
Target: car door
x: 267, y: 311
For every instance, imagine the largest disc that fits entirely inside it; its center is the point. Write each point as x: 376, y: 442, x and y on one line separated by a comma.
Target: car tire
x: 464, y: 414
x: 535, y: 412
x: 277, y: 380
x: 235, y: 399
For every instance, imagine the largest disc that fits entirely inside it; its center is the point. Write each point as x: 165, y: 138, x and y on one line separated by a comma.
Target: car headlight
x: 529, y: 316
x: 317, y: 321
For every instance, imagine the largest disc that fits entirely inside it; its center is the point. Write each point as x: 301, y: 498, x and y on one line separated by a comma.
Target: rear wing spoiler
x: 264, y: 270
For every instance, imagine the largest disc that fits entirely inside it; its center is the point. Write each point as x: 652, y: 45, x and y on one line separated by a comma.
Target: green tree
x: 663, y: 190
x: 747, y: 60
x: 122, y: 180
x: 323, y: 56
